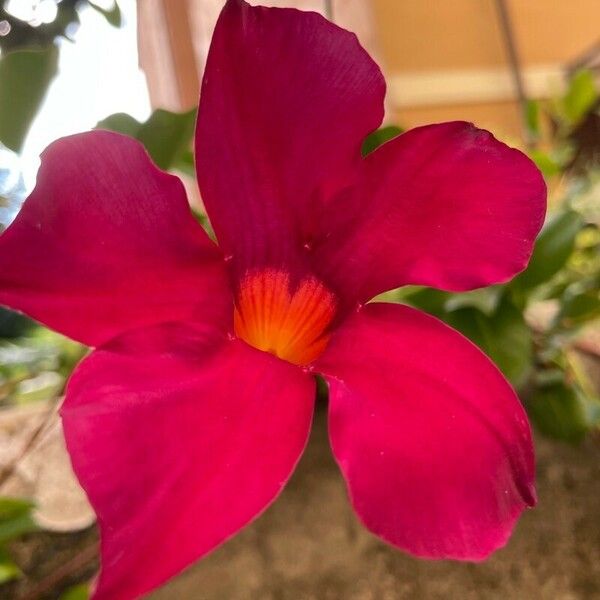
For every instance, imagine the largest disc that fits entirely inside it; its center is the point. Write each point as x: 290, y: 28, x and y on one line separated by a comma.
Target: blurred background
x: 529, y: 71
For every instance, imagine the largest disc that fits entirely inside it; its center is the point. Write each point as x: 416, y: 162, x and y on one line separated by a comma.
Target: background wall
x: 444, y: 59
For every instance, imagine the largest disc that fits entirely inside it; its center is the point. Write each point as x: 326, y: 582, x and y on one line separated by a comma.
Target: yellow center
x: 292, y: 324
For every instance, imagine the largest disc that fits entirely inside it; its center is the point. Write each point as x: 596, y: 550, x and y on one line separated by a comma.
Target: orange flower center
x: 291, y: 324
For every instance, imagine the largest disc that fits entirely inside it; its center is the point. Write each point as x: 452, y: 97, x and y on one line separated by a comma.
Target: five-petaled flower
x: 189, y: 416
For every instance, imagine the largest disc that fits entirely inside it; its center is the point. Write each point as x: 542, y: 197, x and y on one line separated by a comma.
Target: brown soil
x: 51, y: 563
x: 309, y: 545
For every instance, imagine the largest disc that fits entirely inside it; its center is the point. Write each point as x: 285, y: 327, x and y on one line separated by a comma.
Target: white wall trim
x: 474, y: 86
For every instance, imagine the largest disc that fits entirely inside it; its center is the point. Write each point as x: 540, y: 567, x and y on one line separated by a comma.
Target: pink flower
x: 188, y: 418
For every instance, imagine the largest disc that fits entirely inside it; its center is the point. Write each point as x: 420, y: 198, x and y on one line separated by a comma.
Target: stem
x: 328, y: 7
x: 515, y: 65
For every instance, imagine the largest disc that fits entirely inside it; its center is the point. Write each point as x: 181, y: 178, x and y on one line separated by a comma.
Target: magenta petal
x: 286, y: 101
x: 443, y: 205
x: 433, y: 442
x: 106, y: 242
x: 179, y: 441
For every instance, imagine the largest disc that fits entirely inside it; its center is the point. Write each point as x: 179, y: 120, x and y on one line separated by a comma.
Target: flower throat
x: 291, y: 324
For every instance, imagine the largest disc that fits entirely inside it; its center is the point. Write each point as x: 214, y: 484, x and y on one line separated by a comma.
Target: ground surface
x: 309, y: 545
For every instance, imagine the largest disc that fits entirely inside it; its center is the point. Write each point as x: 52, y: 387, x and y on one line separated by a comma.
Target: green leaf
x: 485, y: 299
x: 558, y: 411
x: 552, y: 249
x: 379, y: 137
x: 579, y: 308
x: 430, y: 300
x: 13, y: 324
x: 76, y: 592
x: 581, y: 95
x: 8, y: 569
x: 166, y: 135
x: 14, y: 528
x: 322, y: 389
x: 11, y: 508
x: 25, y: 76
x: 503, y: 336
x: 438, y: 302
x: 545, y: 163
x: 112, y: 15
x: 15, y: 518
x: 185, y: 163
x: 532, y: 118
x: 121, y: 123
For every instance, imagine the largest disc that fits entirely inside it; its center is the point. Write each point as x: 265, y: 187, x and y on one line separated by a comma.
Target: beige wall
x: 443, y: 59
x: 430, y: 46
x: 452, y: 34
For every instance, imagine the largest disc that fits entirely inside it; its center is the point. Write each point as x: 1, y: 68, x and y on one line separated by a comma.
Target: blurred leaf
x: 584, y: 142
x: 503, y: 336
x: 112, y: 15
x: 579, y: 308
x: 77, y: 592
x: 35, y: 367
x: 8, y: 569
x: 379, y: 137
x: 532, y: 118
x: 43, y: 386
x: 121, y: 123
x: 558, y: 412
x: 545, y: 163
x: 15, y: 518
x: 485, y: 299
x: 322, y: 389
x: 550, y: 376
x: 438, y: 302
x: 581, y: 95
x: 167, y: 136
x: 578, y: 375
x: 25, y: 76
x: 185, y: 164
x: 552, y: 249
x: 16, y: 527
x: 430, y: 300
x: 11, y: 508
x: 13, y: 324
